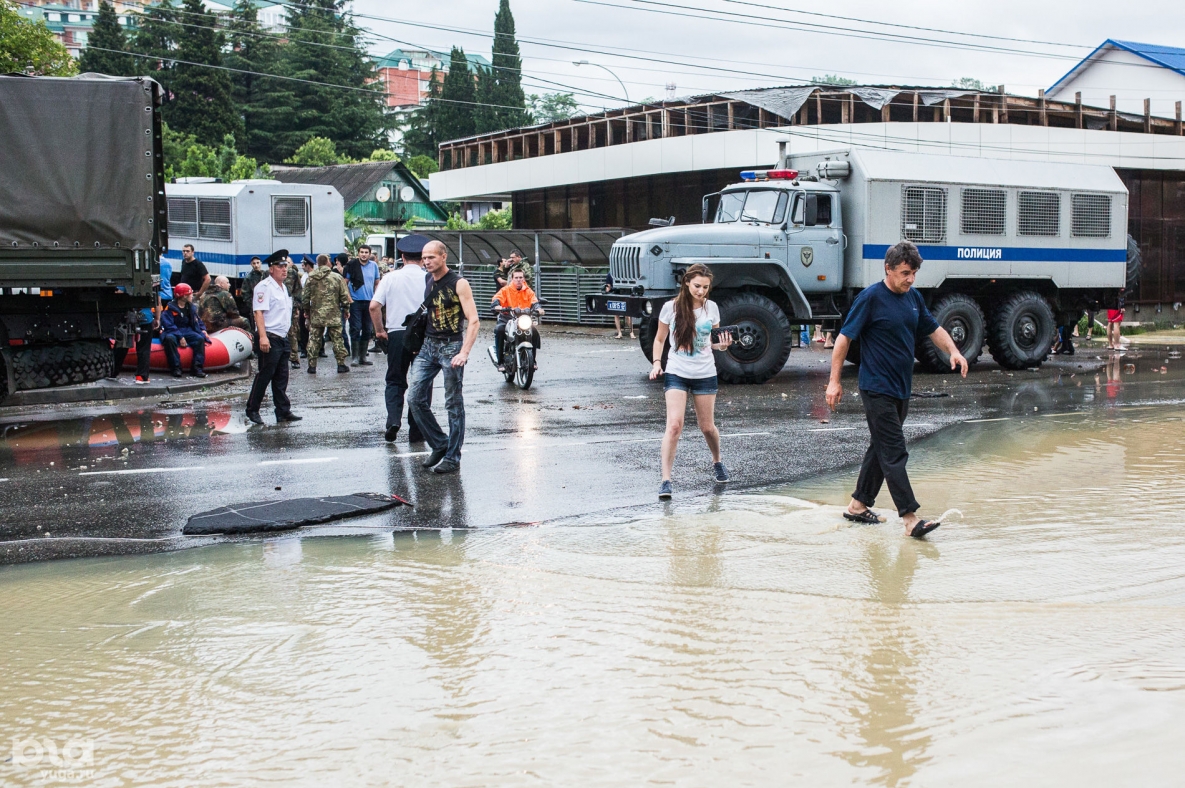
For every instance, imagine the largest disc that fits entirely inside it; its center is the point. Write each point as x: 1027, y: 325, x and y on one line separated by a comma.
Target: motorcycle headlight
x: 524, y: 322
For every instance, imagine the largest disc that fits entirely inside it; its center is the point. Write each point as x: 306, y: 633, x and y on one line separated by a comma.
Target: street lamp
x: 598, y: 65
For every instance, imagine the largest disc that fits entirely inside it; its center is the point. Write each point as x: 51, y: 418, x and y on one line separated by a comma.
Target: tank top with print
x: 446, y: 319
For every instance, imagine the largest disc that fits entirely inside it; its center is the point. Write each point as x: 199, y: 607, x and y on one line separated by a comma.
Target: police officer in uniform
x: 272, y: 307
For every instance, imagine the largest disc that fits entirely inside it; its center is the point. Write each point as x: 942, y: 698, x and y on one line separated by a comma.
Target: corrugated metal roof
x: 354, y: 181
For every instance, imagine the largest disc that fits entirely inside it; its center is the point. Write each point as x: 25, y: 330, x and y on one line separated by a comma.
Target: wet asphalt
x: 85, y: 480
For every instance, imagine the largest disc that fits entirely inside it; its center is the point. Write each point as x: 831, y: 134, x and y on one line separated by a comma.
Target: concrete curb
x: 104, y: 390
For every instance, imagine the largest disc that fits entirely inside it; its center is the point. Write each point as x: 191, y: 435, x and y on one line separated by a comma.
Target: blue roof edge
x: 1127, y: 46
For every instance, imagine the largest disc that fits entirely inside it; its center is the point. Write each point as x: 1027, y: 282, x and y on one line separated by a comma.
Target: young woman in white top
x: 691, y: 367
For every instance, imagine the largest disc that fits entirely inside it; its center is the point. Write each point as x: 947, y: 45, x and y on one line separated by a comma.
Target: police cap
x: 278, y: 257
x: 412, y: 244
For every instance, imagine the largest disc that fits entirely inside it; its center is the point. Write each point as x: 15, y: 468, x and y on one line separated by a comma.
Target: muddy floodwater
x: 752, y: 638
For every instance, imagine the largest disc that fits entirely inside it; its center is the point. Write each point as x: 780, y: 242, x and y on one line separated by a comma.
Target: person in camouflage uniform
x: 256, y: 275
x: 324, y: 296
x: 292, y: 282
x: 219, y: 310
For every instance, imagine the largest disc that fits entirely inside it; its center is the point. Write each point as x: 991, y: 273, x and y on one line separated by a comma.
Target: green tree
x: 317, y: 152
x: 203, y: 104
x: 503, y: 103
x: 457, y: 98
x: 551, y: 107
x: 204, y: 161
x: 107, y: 46
x: 383, y: 154
x: 253, y: 51
x: 26, y: 44
x: 422, y: 166
x: 157, y: 33
x: 969, y: 83
x: 348, y: 109
x: 832, y: 79
x: 496, y: 220
x: 423, y: 129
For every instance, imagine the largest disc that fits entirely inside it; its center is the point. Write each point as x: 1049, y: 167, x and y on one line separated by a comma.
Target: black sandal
x: 866, y: 517
x: 922, y: 528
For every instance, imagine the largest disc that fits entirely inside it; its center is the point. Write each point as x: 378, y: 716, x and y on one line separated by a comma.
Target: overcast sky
x: 704, y: 56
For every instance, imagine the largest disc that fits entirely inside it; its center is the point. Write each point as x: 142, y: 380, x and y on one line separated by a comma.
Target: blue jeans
x: 193, y: 339
x: 437, y: 356
x: 361, y: 330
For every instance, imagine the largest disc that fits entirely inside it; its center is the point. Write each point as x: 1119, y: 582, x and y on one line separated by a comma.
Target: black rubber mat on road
x: 263, y: 516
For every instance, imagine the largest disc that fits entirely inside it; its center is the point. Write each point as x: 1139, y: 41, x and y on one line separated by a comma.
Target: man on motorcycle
x: 516, y: 295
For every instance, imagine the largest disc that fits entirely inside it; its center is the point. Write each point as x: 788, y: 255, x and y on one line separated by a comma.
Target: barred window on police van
x: 183, y: 221
x: 923, y: 214
x: 984, y: 212
x: 214, y: 219
x: 290, y: 216
x: 1039, y: 213
x: 1090, y: 215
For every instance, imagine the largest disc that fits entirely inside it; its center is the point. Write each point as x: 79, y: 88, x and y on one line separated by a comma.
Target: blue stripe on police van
x: 1025, y: 254
x: 242, y: 260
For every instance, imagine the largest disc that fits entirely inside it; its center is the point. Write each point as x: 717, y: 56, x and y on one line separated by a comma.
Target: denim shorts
x: 694, y: 386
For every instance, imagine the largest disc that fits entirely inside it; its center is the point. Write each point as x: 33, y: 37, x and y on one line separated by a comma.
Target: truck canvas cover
x: 76, y: 162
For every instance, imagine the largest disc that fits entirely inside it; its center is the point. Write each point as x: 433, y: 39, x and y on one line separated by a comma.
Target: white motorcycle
x: 520, y: 345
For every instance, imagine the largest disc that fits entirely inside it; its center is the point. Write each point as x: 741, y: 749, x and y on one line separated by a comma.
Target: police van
x: 1012, y: 249
x: 229, y: 223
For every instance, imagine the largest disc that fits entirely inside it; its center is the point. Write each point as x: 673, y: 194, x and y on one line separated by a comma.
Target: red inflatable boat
x: 229, y: 346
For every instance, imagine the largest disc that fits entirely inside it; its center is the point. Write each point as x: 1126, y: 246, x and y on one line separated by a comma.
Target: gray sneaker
x: 665, y: 490
x: 719, y: 472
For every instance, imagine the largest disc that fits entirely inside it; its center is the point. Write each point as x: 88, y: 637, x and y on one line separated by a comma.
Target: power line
x: 768, y: 7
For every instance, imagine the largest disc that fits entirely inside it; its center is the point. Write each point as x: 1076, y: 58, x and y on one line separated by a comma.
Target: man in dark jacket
x: 256, y: 275
x: 180, y: 326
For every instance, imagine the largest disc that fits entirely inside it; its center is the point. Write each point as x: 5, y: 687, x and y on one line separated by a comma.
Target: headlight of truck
x: 524, y: 322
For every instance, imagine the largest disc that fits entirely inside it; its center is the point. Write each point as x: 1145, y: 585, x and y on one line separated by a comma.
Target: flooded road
x: 747, y: 639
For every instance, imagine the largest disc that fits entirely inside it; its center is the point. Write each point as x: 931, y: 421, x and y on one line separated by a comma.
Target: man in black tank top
x: 452, y: 332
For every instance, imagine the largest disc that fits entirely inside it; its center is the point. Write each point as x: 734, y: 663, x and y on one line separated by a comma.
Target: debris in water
x: 277, y: 488
x: 942, y: 518
x: 823, y: 421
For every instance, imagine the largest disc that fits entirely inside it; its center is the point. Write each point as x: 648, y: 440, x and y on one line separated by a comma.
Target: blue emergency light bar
x: 769, y: 175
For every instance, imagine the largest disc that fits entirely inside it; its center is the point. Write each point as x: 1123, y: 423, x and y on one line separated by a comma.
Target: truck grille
x: 625, y: 264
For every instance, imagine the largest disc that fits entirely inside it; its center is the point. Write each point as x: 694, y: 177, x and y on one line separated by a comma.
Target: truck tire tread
x: 934, y: 360
x: 734, y: 307
x: 1006, y: 351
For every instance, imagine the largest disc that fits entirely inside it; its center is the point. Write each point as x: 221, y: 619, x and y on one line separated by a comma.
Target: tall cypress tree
x: 457, y: 99
x: 157, y: 34
x: 107, y: 46
x: 423, y: 131
x: 203, y: 105
x: 253, y: 51
x: 324, y: 47
x: 506, y: 103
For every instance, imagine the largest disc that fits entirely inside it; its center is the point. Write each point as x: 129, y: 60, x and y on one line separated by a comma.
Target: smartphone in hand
x: 716, y: 332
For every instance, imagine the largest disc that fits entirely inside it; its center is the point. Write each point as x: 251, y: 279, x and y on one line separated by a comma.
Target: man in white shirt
x: 272, y: 307
x: 401, y: 292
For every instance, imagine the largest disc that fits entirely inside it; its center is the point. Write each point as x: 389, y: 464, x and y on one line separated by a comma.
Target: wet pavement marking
x: 831, y: 429
x: 144, y: 470
x: 984, y: 421
x: 304, y: 461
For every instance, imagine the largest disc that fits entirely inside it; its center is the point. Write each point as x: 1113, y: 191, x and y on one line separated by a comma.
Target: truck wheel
x: 1022, y: 331
x: 762, y: 345
x: 963, y: 320
x: 646, y: 334
x: 60, y: 365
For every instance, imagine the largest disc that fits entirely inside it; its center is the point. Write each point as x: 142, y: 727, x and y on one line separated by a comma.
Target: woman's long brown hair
x: 684, y: 311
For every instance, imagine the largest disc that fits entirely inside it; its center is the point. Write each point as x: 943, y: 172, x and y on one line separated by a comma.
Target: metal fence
x: 564, y: 287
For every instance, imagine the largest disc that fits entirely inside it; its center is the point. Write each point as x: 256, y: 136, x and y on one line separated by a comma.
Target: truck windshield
x: 767, y: 206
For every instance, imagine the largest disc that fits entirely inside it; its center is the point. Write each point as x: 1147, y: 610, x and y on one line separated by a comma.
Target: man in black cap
x: 272, y: 307
x: 401, y: 292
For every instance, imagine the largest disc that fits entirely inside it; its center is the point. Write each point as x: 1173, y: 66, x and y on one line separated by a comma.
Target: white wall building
x: 1131, y: 72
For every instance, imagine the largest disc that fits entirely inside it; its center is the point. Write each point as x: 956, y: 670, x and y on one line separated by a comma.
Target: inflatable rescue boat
x: 227, y: 347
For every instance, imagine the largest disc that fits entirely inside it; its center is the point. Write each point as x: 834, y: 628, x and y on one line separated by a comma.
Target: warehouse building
x: 620, y: 168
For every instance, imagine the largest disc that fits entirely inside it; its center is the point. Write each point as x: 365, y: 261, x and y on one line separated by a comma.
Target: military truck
x: 1012, y: 249
x: 82, y: 223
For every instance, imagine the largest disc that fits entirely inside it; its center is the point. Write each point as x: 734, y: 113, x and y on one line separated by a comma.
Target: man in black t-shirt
x: 194, y: 273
